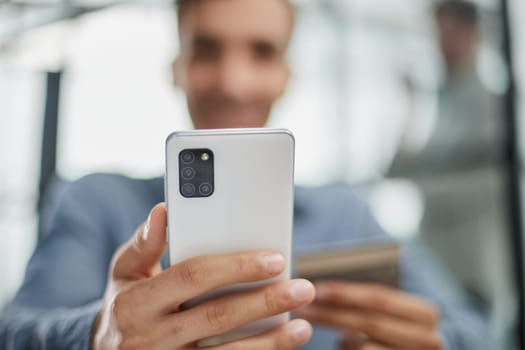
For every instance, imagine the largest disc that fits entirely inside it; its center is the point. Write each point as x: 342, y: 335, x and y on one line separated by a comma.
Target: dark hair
x: 461, y: 10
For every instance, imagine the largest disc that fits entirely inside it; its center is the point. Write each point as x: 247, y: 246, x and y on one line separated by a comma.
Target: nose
x: 237, y: 76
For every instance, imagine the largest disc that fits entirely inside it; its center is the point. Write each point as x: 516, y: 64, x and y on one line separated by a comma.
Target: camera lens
x: 187, y: 157
x: 205, y: 189
x: 188, y: 173
x: 188, y: 190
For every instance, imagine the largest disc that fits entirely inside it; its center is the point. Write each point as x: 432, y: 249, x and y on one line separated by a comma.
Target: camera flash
x: 205, y: 156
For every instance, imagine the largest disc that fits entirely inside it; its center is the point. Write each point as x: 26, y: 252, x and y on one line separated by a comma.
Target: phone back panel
x: 251, y: 207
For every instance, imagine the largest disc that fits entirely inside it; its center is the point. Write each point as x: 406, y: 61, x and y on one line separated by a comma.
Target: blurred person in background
x: 468, y: 130
x: 458, y: 168
x: 92, y: 283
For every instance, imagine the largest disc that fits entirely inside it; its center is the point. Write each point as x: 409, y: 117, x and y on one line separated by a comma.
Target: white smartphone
x: 227, y: 191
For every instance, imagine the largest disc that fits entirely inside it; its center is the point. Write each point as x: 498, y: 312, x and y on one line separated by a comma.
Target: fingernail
x: 274, y: 263
x: 302, y: 291
x: 145, y: 230
x: 300, y: 330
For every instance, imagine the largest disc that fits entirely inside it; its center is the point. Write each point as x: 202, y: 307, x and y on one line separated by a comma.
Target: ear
x: 177, y: 73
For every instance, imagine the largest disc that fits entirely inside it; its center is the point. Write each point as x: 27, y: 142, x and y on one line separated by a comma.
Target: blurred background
x: 422, y: 111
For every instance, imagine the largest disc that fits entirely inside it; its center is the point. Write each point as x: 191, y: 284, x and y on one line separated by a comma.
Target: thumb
x: 140, y: 256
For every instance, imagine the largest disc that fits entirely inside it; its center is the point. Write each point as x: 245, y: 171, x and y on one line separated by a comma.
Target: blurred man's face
x: 232, y: 63
x: 457, y: 41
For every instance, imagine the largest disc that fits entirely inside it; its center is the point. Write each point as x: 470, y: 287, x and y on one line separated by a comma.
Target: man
x: 232, y: 68
x: 469, y: 123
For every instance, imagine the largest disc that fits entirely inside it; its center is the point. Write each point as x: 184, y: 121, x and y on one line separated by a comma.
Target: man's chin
x: 229, y: 122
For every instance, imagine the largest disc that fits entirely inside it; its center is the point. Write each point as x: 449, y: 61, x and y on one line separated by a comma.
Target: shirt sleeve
x: 41, y: 328
x: 66, y: 276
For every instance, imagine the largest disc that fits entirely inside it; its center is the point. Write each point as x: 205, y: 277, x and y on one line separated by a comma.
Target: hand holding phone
x: 141, y: 306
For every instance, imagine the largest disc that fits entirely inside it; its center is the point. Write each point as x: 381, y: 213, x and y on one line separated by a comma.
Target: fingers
x: 352, y: 340
x: 363, y: 346
x: 379, y: 327
x: 373, y: 346
x: 232, y: 311
x: 378, y: 298
x: 291, y: 335
x: 140, y: 256
x: 359, y: 341
x: 197, y: 276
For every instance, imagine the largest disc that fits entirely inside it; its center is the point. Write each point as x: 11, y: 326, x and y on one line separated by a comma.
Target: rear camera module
x: 196, y: 172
